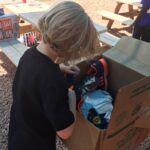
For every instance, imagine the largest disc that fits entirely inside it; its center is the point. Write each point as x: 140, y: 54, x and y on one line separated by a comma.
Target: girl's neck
x: 47, y: 50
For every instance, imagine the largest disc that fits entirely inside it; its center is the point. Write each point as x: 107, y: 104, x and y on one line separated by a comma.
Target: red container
x: 24, y: 1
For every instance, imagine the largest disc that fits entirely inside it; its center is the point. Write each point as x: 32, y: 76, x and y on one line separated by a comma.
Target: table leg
x: 130, y: 7
x: 117, y: 9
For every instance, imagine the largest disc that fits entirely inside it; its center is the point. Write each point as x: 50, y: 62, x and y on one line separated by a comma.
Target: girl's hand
x: 72, y: 69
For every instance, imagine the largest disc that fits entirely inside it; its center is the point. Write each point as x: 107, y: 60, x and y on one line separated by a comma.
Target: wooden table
x: 131, y: 12
x: 4, y: 2
x: 33, y: 18
x: 27, y: 7
x: 19, y: 8
x: 130, y: 3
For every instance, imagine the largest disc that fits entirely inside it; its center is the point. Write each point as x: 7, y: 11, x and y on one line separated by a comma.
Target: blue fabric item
x: 100, y: 100
x: 145, y: 19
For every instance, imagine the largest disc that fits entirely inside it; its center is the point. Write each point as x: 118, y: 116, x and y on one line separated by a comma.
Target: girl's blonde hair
x: 69, y: 29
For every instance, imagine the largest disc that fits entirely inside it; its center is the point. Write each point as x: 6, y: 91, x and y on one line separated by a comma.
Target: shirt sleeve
x: 146, y: 3
x: 56, y: 106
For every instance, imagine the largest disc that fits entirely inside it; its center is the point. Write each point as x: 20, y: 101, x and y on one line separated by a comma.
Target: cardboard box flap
x: 132, y: 53
x: 84, y: 137
x: 131, y: 102
x: 144, y: 119
x: 128, y: 62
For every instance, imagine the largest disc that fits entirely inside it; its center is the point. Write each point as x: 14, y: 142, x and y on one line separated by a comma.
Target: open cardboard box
x: 129, y: 83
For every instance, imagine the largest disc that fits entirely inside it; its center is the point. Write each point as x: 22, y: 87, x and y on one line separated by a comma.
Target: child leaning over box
x: 142, y: 23
x: 40, y: 109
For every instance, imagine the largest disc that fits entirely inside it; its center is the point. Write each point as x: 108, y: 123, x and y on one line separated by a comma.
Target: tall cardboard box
x: 128, y: 61
x: 129, y: 82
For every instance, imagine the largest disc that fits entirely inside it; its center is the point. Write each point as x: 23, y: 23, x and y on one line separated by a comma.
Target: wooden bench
x: 131, y: 2
x: 112, y: 16
x: 100, y: 28
x: 108, y: 39
x: 13, y: 49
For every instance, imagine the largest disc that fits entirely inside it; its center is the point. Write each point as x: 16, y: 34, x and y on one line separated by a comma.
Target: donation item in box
x: 129, y: 81
x: 9, y: 27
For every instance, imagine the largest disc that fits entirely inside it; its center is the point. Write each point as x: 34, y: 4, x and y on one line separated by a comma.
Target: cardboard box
x: 9, y: 26
x: 128, y: 61
x: 130, y: 121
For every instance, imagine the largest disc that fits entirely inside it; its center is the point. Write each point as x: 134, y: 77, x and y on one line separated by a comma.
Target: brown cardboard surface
x: 127, y: 140
x: 128, y: 62
x: 145, y: 117
x: 84, y: 137
x: 102, y: 137
x: 133, y: 54
x: 131, y: 103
